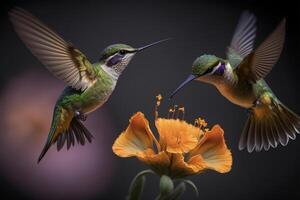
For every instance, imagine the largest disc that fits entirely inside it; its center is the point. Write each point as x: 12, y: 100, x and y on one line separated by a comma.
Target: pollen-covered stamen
x: 158, y: 100
x: 200, y: 123
x: 196, y: 124
x: 174, y: 111
x: 180, y: 110
x: 170, y: 112
x: 176, y: 114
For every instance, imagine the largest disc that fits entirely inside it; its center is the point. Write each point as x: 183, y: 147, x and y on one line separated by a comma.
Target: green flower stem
x: 177, y: 192
x: 167, y: 191
x: 192, y: 184
x: 137, y: 185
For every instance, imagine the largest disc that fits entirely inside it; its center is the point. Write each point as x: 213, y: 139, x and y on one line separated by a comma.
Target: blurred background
x: 28, y: 93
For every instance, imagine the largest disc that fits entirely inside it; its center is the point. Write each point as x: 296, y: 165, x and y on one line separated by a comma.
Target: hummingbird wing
x: 243, y: 39
x: 260, y: 62
x: 61, y: 58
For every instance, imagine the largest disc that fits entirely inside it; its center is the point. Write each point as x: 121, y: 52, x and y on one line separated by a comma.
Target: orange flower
x: 182, y: 149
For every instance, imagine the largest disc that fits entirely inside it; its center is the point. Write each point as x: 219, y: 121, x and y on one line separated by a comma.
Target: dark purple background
x: 198, y: 27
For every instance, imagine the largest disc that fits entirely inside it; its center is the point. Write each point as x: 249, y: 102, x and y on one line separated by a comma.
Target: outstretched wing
x: 260, y: 62
x: 243, y: 39
x: 61, y: 58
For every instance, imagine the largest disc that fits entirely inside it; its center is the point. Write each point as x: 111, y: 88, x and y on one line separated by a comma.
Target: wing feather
x: 268, y: 53
x: 61, y: 58
x: 260, y: 62
x: 243, y: 39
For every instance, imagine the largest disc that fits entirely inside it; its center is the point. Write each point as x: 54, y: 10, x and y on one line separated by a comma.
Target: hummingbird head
x: 205, y: 68
x: 117, y: 56
x: 204, y: 65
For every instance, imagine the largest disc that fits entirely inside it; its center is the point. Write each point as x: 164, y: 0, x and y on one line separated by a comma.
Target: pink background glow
x: 81, y: 172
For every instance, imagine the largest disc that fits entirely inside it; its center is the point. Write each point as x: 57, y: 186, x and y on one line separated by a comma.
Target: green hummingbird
x: 240, y: 79
x: 88, y: 85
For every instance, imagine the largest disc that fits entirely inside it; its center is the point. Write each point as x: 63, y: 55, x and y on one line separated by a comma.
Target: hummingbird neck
x: 111, y: 72
x: 228, y: 74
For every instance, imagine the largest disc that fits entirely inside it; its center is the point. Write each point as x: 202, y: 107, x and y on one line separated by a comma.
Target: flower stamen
x: 158, y: 100
x: 169, y: 112
x: 181, y: 110
x: 196, y: 123
x: 200, y: 123
x: 173, y: 113
x: 174, y: 109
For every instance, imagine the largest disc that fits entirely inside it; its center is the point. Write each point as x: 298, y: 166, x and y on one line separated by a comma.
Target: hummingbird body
x: 240, y: 79
x: 84, y: 102
x: 93, y: 97
x: 88, y: 85
x: 237, y: 90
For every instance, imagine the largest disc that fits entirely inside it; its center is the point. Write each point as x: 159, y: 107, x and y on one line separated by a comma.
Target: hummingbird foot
x: 80, y: 116
x: 254, y: 104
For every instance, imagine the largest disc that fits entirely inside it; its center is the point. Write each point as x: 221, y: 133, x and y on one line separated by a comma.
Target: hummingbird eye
x: 212, y: 68
x: 208, y: 70
x: 122, y: 52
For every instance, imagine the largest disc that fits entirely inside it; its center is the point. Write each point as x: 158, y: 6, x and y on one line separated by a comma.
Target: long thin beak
x: 152, y: 44
x: 189, y: 79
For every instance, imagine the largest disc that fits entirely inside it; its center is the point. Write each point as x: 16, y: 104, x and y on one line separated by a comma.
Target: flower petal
x: 136, y: 139
x: 214, y: 151
x: 180, y: 168
x: 177, y: 136
x: 158, y: 162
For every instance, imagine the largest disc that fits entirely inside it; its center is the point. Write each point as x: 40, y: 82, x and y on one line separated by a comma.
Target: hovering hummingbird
x: 240, y: 79
x: 88, y: 85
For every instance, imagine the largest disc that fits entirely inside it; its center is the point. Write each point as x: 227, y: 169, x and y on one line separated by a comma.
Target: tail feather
x: 71, y: 134
x: 280, y: 130
x: 76, y: 131
x: 61, y: 141
x: 265, y: 137
x: 44, y: 151
x: 76, y: 128
x: 52, y: 132
x: 258, y: 136
x: 70, y: 139
x: 244, y: 136
x: 271, y: 136
x: 269, y: 126
x: 287, y: 126
x: 85, y: 131
x: 292, y: 118
x: 251, y: 136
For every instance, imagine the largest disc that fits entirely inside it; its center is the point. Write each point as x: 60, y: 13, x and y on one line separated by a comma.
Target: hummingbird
x: 88, y: 85
x: 240, y: 79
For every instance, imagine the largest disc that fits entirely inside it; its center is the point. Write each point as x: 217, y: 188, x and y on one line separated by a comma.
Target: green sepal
x: 166, y: 185
x: 137, y: 185
x: 177, y: 192
x: 192, y: 184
